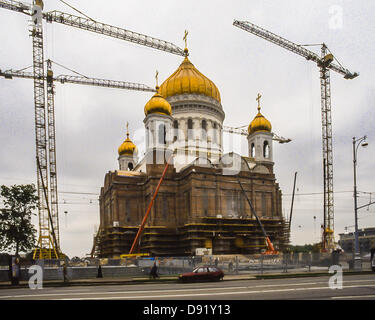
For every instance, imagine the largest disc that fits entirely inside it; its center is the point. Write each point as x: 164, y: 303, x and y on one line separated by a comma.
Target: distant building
x: 366, y: 240
x: 200, y: 203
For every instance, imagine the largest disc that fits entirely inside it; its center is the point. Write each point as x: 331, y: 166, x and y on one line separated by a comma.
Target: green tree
x: 305, y: 248
x: 17, y: 233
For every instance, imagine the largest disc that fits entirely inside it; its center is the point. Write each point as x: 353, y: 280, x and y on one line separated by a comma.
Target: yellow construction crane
x: 325, y: 64
x: 52, y: 205
x: 48, y: 244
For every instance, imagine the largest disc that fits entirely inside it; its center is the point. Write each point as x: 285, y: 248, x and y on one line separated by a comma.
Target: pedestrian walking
x: 15, y: 274
x: 230, y: 266
x: 65, y: 273
x: 100, y: 274
x: 154, y: 271
x: 10, y: 274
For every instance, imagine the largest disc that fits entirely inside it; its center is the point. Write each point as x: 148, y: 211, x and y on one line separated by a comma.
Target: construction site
x: 185, y: 196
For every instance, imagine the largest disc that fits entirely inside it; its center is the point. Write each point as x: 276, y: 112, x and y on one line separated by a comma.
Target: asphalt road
x: 354, y: 287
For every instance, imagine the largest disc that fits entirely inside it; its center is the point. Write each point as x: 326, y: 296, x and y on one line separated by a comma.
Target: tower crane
x: 51, y: 215
x: 44, y: 117
x: 325, y: 64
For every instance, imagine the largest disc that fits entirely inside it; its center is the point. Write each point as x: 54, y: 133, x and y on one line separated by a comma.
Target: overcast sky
x: 90, y: 121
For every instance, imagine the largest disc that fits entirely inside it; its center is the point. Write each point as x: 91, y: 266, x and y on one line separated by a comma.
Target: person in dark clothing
x: 10, y: 273
x: 100, y: 273
x: 65, y: 273
x: 154, y: 271
x: 15, y: 270
x: 230, y: 266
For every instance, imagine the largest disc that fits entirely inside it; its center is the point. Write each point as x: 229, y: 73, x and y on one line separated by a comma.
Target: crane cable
x: 70, y: 6
x: 60, y: 65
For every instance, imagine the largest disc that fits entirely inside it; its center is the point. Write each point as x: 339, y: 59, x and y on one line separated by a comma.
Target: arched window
x: 162, y: 134
x: 252, y: 150
x: 147, y: 136
x: 130, y: 166
x: 266, y: 150
x: 127, y: 210
x: 205, y: 202
x: 175, y: 131
x: 204, y: 125
x: 215, y: 133
x: 204, y: 129
x: 190, y: 129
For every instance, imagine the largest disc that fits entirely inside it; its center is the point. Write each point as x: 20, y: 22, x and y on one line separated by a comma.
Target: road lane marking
x: 354, y: 297
x: 309, y: 283
x: 215, y: 293
x: 115, y: 292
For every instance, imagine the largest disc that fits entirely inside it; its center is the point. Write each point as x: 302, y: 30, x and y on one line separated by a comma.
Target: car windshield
x: 200, y: 269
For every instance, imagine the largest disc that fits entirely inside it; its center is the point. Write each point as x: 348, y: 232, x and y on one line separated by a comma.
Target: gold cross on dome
x: 258, y: 99
x: 185, y: 38
x: 127, y: 129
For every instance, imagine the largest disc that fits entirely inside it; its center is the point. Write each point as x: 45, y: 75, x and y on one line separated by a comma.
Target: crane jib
x: 291, y: 46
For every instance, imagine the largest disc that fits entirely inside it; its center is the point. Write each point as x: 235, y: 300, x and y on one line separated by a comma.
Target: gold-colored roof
x: 127, y: 147
x: 158, y: 104
x: 259, y: 123
x: 188, y: 79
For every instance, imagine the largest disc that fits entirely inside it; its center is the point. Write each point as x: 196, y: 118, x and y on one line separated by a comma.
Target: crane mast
x: 325, y: 87
x: 52, y: 152
x: 325, y: 64
x: 49, y: 247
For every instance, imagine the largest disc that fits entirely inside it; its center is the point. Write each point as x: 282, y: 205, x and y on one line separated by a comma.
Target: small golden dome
x: 127, y: 148
x: 187, y: 79
x: 259, y: 123
x: 157, y: 104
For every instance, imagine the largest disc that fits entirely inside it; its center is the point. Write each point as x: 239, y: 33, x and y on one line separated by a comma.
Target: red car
x: 203, y: 273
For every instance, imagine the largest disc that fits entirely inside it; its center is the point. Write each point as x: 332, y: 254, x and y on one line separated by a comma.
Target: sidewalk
x: 171, y: 278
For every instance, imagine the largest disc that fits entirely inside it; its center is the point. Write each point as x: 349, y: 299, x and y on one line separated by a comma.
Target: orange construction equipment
x: 149, y: 208
x: 270, y: 248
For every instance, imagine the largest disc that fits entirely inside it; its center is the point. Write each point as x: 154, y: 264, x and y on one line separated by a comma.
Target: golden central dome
x: 259, y: 123
x: 127, y: 148
x: 157, y: 104
x: 187, y: 79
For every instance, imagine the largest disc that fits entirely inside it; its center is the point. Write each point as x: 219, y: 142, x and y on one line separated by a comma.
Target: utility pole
x: 357, y: 253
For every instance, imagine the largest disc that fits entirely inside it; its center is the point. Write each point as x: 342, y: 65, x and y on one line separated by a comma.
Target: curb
x: 89, y: 283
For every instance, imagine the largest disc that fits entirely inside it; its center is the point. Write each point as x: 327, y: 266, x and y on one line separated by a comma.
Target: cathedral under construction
x: 200, y: 203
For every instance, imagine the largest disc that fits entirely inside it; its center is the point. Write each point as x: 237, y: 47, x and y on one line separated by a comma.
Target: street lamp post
x: 357, y: 255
